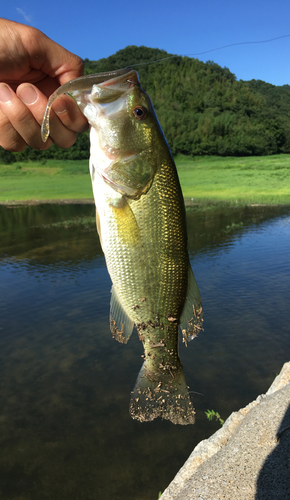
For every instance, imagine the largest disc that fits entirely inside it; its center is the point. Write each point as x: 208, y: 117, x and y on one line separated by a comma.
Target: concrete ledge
x: 231, y: 463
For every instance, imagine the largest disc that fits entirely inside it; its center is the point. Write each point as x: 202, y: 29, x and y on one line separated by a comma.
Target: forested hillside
x: 202, y: 107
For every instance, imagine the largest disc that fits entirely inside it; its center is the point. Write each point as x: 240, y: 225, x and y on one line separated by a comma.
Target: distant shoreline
x: 69, y: 201
x: 90, y: 201
x: 205, y: 182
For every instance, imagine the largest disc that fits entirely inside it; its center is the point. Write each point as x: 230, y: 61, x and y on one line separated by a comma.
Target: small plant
x: 159, y: 494
x: 211, y: 414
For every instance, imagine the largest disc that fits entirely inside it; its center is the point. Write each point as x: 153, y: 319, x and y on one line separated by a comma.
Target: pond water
x: 65, y: 429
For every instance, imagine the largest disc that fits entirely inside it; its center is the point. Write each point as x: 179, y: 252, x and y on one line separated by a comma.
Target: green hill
x: 203, y: 109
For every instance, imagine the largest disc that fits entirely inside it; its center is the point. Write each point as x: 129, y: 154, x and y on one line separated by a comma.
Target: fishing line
x: 212, y: 50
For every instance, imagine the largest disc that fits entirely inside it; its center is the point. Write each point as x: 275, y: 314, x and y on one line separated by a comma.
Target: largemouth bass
x: 142, y: 228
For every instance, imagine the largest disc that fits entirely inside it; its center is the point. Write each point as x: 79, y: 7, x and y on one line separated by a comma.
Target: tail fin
x: 159, y: 394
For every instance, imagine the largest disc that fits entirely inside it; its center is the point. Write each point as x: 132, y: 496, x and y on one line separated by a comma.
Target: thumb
x: 53, y: 59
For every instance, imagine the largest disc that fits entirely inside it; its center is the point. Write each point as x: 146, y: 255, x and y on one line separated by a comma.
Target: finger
x: 64, y: 106
x: 9, y: 138
x: 52, y: 58
x: 34, y: 54
x: 70, y: 114
x: 25, y: 111
x: 20, y: 122
x: 13, y: 111
x: 36, y: 102
x: 65, y: 120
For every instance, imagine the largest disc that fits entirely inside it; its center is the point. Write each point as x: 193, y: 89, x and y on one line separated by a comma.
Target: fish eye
x: 140, y: 113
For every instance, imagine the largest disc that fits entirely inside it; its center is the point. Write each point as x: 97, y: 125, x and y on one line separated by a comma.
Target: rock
x: 234, y: 462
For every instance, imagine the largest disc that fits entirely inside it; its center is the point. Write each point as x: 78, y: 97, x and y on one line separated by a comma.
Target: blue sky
x: 96, y: 29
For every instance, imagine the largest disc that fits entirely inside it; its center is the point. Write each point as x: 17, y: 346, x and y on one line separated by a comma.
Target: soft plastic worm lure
x: 83, y: 84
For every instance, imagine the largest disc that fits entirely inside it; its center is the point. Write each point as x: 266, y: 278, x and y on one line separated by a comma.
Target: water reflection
x: 65, y: 431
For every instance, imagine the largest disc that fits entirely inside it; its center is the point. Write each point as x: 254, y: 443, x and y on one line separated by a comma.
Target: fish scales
x: 152, y: 267
x: 142, y: 226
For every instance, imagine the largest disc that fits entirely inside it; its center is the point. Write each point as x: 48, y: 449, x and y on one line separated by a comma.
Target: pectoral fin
x: 98, y: 224
x: 191, y: 318
x: 128, y: 230
x: 120, y: 323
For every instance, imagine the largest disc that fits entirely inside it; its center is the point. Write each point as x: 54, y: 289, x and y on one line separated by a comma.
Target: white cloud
x: 27, y: 18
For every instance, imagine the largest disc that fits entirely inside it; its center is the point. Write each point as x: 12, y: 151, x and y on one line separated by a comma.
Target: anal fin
x: 120, y: 323
x: 191, y: 318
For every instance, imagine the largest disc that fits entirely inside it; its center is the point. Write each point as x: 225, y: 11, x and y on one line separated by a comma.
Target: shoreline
x: 90, y: 201
x: 69, y: 201
x: 246, y: 457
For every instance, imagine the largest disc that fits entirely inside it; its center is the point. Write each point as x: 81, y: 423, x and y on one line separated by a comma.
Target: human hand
x: 32, y: 67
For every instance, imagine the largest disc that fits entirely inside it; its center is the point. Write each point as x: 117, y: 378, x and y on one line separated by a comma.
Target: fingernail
x: 5, y: 93
x: 28, y: 95
x: 59, y: 106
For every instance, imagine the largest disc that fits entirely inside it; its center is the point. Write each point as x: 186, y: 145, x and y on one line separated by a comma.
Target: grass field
x: 52, y: 180
x: 246, y: 180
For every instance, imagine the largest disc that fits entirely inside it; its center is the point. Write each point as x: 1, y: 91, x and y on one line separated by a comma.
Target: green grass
x: 52, y: 180
x: 245, y: 180
x: 210, y: 414
x: 204, y: 180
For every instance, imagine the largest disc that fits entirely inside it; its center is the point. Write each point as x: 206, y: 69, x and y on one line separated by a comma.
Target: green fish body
x: 142, y: 227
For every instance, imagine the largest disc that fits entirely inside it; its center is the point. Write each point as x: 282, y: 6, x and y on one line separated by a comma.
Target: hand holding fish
x: 32, y: 67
